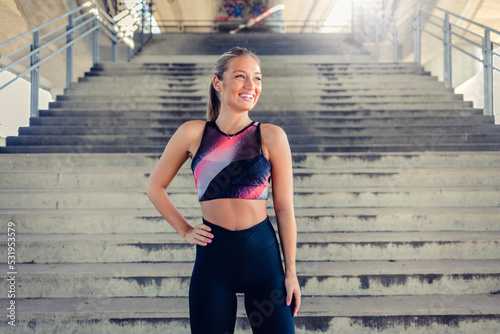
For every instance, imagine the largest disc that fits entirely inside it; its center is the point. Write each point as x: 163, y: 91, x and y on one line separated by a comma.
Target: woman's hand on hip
x: 199, y: 235
x: 293, y: 292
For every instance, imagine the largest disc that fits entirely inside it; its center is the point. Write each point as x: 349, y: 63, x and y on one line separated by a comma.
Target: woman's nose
x: 249, y: 84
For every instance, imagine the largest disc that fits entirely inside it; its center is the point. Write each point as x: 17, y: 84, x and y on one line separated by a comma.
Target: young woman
x: 233, y: 161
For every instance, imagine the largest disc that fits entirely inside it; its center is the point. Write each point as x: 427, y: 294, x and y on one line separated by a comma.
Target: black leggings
x: 245, y: 261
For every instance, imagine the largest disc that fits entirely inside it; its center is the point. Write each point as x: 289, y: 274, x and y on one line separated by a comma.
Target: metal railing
x: 209, y: 26
x: 87, y: 20
x: 454, y: 31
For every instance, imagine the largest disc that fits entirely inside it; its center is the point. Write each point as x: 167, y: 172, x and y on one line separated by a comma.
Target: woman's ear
x: 216, y: 83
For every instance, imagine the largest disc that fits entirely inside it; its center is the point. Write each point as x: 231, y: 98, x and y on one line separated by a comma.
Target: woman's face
x: 241, y: 85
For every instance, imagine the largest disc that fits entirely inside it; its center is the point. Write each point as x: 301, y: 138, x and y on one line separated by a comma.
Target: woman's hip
x: 241, y: 242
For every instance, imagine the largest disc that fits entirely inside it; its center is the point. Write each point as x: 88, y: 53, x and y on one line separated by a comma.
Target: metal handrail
x: 214, y: 25
x: 389, y: 28
x: 91, y: 19
x: 42, y: 47
x: 30, y: 32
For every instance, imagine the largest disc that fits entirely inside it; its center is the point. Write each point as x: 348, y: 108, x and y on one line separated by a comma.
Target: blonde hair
x: 221, y: 66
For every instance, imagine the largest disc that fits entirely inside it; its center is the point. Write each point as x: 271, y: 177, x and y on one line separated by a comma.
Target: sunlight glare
x: 339, y: 19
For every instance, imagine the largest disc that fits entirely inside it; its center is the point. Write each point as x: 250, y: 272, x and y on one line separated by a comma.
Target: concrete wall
x: 473, y: 89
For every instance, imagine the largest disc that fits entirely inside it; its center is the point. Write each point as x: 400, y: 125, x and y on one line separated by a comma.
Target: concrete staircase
x: 396, y: 191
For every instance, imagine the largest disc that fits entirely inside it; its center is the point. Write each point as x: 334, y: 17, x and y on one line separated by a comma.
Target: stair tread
x: 185, y: 170
x: 303, y: 237
x: 305, y: 190
x: 172, y: 307
x: 299, y: 212
x: 313, y: 135
x: 304, y: 268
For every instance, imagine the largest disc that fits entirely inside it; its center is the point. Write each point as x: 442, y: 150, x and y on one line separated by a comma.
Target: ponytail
x: 213, y: 108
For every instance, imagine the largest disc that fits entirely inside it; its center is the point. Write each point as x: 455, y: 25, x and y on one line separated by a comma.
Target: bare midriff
x: 234, y: 213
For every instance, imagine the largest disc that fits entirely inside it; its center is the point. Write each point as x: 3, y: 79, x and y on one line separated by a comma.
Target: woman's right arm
x: 177, y: 151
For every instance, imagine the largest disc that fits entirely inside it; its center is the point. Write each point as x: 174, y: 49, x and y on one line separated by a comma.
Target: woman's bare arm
x: 276, y: 142
x: 178, y: 150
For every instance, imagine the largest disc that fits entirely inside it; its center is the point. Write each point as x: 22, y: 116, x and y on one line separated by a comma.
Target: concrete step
x: 442, y: 314
x: 170, y: 247
x: 430, y: 159
x: 278, y: 97
x: 359, y: 278
x: 353, y: 104
x: 148, y: 127
x: 316, y: 79
x: 88, y: 147
x: 338, y: 219
x: 309, y: 121
x: 303, y: 178
x: 268, y: 69
x: 285, y: 59
x: 270, y: 72
x: 274, y: 72
x: 292, y: 116
x: 304, y: 197
x: 298, y: 103
x: 72, y: 94
x: 270, y: 63
x: 318, y: 140
x: 148, y: 86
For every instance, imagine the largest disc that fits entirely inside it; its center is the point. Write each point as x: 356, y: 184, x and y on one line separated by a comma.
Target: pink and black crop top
x: 231, y: 166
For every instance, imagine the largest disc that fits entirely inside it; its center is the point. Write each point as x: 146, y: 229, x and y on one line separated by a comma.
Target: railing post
x: 394, y: 40
x: 130, y: 53
x: 143, y: 23
x: 69, y: 53
x: 417, y: 35
x: 95, y: 42
x: 113, y: 48
x: 488, y: 73
x: 151, y: 19
x: 447, y: 50
x: 35, y: 76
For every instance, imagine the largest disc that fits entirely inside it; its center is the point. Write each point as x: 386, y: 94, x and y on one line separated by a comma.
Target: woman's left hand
x: 293, y: 292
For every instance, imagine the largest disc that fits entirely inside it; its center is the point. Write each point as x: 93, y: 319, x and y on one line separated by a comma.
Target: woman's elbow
x: 152, y: 189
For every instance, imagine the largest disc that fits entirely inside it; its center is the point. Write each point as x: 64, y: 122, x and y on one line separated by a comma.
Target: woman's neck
x: 232, y: 123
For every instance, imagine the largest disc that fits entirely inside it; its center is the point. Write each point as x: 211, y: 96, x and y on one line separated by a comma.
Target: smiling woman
x: 233, y: 161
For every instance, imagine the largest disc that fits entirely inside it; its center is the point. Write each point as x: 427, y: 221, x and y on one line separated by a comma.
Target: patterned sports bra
x: 231, y: 166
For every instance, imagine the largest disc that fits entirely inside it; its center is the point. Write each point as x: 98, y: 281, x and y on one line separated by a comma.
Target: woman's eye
x: 240, y: 76
x: 258, y: 79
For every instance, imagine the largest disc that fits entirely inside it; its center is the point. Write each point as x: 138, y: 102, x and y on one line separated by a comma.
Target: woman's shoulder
x: 194, y: 124
x: 190, y: 134
x: 274, y: 140
x: 270, y: 131
x: 193, y: 127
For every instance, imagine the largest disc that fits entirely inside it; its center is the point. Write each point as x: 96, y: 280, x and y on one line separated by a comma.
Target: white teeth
x: 247, y: 96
